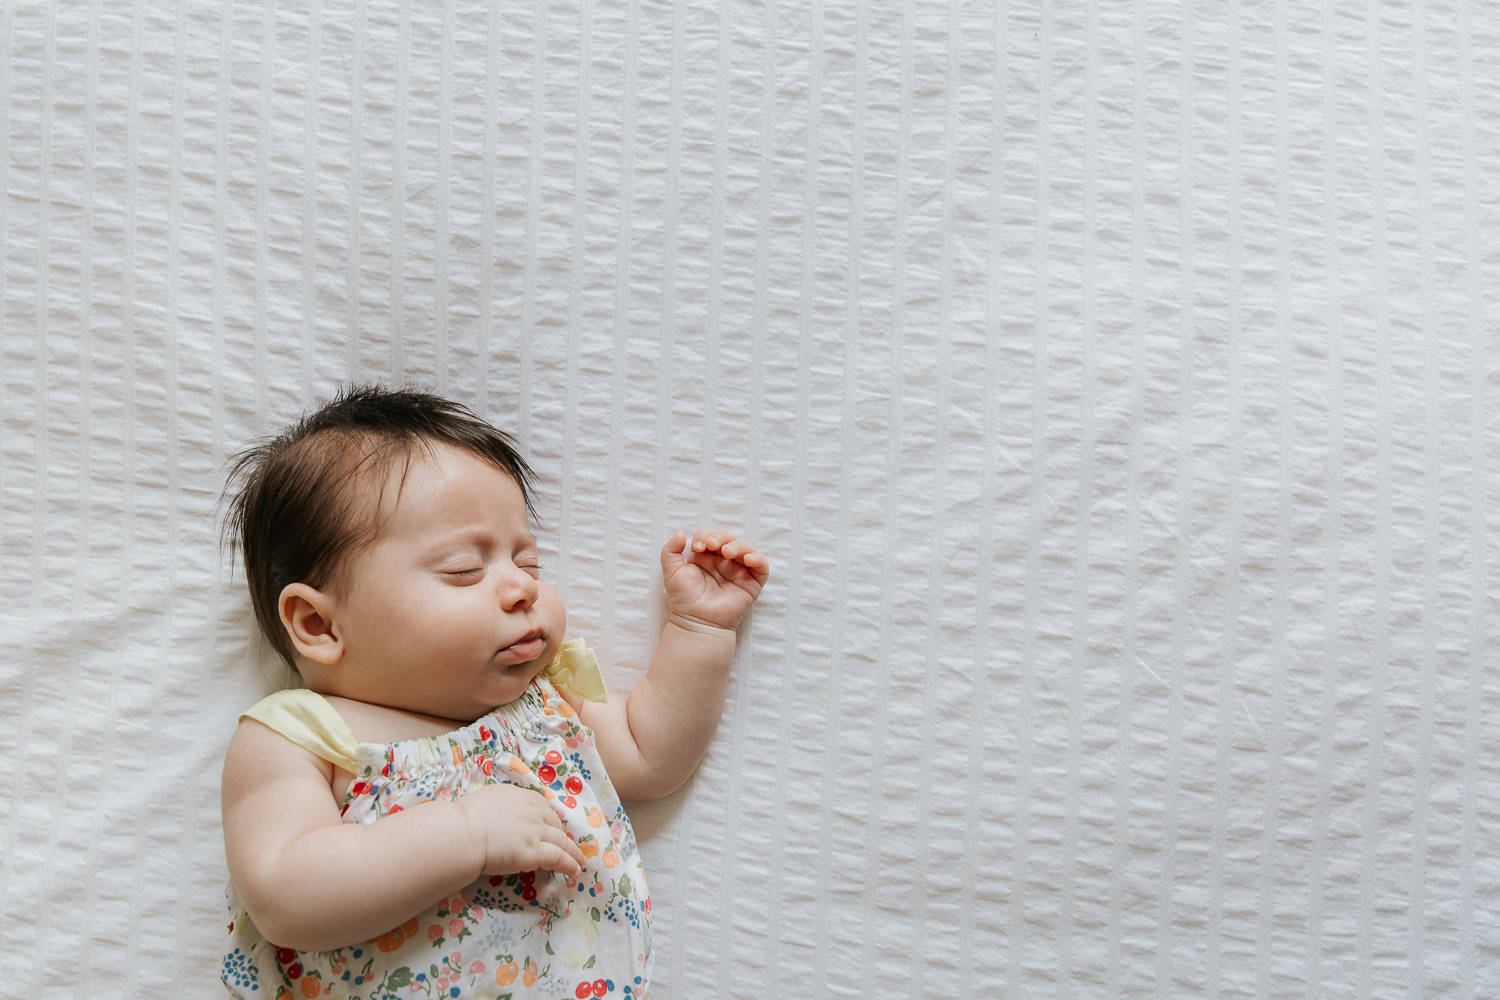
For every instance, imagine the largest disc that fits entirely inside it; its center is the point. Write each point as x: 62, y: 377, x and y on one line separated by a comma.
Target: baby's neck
x: 384, y: 724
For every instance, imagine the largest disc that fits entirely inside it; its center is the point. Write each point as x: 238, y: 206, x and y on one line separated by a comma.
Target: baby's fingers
x: 560, y: 854
x: 555, y: 835
x: 739, y: 550
x: 709, y: 541
x: 725, y: 543
x: 675, y: 552
x: 742, y: 551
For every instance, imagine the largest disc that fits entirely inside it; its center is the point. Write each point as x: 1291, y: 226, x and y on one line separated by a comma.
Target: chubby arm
x: 653, y: 740
x: 313, y: 882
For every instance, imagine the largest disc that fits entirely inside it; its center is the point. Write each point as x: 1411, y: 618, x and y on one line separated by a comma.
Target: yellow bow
x: 576, y: 668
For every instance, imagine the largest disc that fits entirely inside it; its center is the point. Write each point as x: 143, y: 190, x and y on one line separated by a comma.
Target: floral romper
x: 533, y: 934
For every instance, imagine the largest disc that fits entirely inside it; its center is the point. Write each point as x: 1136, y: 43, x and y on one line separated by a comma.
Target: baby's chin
x: 514, y: 682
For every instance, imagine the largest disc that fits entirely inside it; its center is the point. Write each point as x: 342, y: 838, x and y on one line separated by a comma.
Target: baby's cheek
x: 470, y: 627
x: 554, y: 613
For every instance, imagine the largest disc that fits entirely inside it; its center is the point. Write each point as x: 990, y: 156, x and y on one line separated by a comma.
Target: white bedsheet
x: 1113, y: 388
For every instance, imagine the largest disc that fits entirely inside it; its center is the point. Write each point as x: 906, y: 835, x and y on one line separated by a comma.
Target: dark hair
x: 294, y: 508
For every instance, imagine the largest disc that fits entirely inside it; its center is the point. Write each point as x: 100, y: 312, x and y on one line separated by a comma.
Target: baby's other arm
x: 654, y: 739
x: 313, y: 882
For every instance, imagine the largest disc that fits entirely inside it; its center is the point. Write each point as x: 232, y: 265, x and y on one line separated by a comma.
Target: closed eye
x: 465, y: 575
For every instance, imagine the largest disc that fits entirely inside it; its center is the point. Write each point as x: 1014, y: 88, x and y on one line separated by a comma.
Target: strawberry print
x: 529, y: 934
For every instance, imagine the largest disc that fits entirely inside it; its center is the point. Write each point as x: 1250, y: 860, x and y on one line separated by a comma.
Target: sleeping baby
x: 438, y: 811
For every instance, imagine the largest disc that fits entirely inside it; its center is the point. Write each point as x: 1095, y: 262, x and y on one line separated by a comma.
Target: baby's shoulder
x: 258, y: 750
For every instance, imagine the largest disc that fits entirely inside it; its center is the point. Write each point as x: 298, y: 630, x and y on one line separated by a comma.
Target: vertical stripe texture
x: 1113, y: 387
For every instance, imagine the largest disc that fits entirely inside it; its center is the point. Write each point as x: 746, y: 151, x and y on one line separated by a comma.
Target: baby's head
x: 380, y: 530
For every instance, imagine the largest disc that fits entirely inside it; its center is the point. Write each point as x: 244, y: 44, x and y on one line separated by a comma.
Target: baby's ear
x: 307, y: 615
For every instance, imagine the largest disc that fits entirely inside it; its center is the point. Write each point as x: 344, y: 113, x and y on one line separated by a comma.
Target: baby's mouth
x: 528, y: 647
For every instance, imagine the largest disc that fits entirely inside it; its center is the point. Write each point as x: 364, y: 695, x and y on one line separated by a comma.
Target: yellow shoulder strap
x: 306, y: 718
x: 576, y: 668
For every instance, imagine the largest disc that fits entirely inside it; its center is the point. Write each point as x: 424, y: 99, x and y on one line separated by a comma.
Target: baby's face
x: 445, y: 614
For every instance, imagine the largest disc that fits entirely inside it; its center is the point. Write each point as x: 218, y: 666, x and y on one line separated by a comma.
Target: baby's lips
x: 528, y: 647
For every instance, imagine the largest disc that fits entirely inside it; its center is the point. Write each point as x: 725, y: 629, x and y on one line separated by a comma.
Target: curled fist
x: 714, y: 580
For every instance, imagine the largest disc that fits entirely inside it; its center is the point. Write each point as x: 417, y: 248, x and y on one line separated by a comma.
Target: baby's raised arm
x: 313, y: 882
x: 654, y: 739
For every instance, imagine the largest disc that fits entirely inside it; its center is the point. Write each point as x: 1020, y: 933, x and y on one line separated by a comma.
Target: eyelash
x: 534, y: 569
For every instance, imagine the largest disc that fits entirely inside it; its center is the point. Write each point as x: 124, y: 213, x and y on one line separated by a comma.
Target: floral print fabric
x: 528, y: 935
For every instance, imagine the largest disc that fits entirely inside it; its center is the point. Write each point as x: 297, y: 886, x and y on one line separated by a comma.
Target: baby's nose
x: 518, y: 588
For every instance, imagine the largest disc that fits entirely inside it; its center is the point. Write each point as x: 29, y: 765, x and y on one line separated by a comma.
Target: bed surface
x: 1114, y: 390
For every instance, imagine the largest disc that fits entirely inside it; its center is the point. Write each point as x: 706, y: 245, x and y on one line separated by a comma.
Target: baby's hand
x: 519, y: 832
x: 717, y: 581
